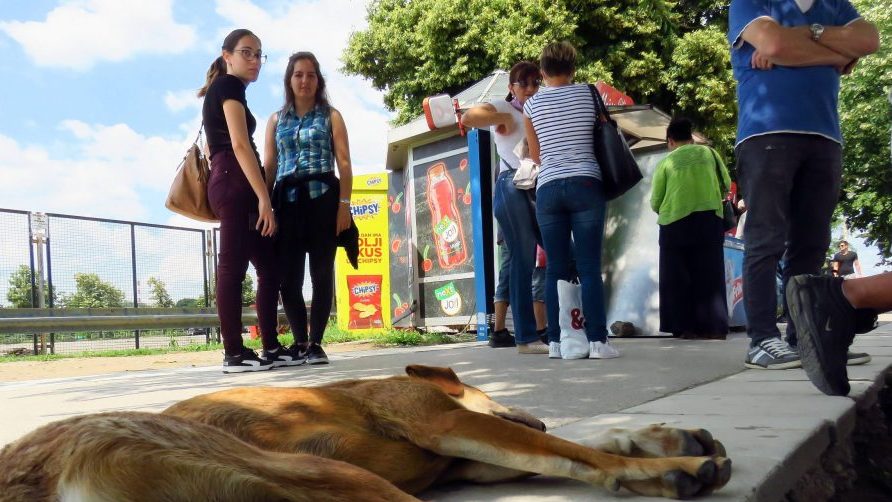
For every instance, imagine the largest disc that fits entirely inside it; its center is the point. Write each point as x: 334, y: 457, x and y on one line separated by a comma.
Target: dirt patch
x: 18, y: 371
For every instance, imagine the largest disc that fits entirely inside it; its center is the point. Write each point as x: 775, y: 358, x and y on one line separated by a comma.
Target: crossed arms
x: 838, y: 46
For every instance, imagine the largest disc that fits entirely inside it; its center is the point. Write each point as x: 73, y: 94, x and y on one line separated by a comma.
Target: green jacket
x: 685, y: 182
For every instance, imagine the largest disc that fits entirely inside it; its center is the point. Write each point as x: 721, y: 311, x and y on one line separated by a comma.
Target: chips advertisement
x: 363, y: 295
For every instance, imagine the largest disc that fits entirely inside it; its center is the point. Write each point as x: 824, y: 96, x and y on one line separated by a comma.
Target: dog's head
x: 471, y: 397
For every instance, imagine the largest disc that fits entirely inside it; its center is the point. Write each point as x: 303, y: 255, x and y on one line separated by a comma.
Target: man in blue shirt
x: 787, y: 57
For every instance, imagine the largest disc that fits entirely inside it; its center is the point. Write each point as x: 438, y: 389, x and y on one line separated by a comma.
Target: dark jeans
x: 574, y: 206
x: 235, y: 203
x: 692, y: 276
x: 791, y: 186
x: 514, y: 212
x: 308, y: 228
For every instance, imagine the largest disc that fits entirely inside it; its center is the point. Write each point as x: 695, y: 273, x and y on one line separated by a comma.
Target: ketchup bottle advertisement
x: 448, y: 233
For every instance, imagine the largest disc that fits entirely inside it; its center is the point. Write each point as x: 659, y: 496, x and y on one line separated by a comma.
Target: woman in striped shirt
x: 570, y: 200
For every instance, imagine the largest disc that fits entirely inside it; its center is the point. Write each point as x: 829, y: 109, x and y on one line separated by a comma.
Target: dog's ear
x: 443, y: 378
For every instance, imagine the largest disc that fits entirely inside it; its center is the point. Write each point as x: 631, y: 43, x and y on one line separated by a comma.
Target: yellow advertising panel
x: 363, y: 295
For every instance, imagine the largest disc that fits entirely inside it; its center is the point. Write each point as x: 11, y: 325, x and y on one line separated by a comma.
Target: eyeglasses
x: 250, y: 55
x: 528, y: 83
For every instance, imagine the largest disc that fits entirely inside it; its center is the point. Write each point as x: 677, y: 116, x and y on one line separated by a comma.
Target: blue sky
x: 98, y: 95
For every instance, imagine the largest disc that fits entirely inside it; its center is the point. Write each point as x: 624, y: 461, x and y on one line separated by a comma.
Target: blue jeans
x: 502, y: 294
x: 514, y: 212
x: 574, y: 206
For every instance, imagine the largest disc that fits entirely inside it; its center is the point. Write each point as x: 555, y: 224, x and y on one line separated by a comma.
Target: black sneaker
x: 772, y: 354
x: 282, y: 357
x: 246, y: 361
x: 315, y: 354
x: 501, y: 338
x: 825, y: 321
x: 543, y: 336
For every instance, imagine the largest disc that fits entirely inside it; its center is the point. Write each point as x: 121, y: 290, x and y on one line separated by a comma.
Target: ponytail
x: 218, y: 67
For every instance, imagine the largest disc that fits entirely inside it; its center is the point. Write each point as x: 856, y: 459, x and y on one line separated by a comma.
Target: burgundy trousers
x: 234, y: 202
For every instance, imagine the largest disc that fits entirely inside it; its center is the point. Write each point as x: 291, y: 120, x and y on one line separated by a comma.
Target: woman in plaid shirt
x: 303, y: 140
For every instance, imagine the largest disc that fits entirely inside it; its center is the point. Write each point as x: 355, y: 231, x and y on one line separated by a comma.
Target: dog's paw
x: 684, y: 478
x: 661, y: 441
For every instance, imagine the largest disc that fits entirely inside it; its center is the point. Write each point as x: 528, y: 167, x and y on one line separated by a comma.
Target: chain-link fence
x: 100, y: 263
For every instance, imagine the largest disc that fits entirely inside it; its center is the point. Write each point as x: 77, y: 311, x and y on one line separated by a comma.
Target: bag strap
x: 599, y: 105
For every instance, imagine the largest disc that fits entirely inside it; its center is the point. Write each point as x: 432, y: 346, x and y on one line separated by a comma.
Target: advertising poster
x: 363, y: 295
x: 400, y: 248
x: 734, y: 281
x: 444, y: 236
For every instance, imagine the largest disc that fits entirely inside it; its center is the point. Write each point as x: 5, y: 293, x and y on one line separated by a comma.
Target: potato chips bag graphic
x: 365, y: 301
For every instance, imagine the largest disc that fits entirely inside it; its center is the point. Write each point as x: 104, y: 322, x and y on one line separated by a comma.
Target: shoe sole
x: 811, y: 352
x: 783, y: 366
x: 855, y: 361
x: 296, y: 362
x: 321, y: 360
x: 246, y: 369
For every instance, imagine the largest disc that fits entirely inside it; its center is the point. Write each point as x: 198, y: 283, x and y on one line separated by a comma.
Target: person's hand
x: 343, y: 218
x: 761, y: 62
x: 266, y: 223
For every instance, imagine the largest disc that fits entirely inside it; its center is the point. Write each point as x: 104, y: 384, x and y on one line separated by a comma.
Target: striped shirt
x: 563, y: 118
x: 304, y: 146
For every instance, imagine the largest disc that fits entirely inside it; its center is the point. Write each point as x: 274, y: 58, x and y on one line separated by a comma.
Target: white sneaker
x: 599, y: 350
x: 554, y: 350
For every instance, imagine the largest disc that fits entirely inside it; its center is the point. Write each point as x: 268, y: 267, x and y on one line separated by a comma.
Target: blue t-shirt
x: 785, y: 99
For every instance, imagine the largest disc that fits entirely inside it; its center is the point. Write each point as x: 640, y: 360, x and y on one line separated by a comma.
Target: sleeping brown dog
x: 429, y: 428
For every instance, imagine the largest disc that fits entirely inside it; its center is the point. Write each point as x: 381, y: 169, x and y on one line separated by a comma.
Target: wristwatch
x: 344, y: 201
x: 816, y: 31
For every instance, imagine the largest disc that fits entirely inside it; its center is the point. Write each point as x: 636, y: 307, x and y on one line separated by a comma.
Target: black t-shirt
x: 846, y: 262
x: 222, y: 88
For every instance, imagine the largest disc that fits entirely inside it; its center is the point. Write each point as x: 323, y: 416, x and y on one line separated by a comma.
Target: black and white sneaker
x: 315, y: 354
x: 772, y: 354
x: 282, y: 357
x: 246, y: 361
x: 825, y: 321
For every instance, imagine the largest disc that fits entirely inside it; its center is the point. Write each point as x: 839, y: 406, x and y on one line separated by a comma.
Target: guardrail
x: 60, y: 319
x: 60, y: 330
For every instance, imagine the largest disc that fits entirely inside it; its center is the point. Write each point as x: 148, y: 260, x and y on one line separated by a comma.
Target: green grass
x: 333, y: 335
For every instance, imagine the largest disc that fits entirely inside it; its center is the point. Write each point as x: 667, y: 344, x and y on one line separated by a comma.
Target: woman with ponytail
x: 239, y: 195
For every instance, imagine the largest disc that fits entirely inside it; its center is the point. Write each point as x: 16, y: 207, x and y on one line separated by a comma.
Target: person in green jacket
x: 688, y: 186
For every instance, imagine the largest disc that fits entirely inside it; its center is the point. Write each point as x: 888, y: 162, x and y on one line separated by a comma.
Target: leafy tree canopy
x: 19, y: 294
x: 159, y: 293
x: 866, y: 203
x: 93, y: 292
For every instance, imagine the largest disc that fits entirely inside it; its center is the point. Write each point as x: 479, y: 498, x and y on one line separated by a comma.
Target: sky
x: 98, y: 100
x: 99, y: 105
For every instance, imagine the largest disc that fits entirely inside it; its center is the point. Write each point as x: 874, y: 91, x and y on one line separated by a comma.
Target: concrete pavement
x: 775, y: 424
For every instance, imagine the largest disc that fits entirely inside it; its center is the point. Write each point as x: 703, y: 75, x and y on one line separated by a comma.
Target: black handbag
x: 619, y: 170
x: 729, y: 215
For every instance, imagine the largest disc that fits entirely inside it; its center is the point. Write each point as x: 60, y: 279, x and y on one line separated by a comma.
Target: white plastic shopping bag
x: 574, y: 343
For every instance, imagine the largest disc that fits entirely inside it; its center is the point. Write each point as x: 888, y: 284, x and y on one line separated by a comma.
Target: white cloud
x: 80, y: 33
x: 112, y: 167
x: 322, y: 27
x: 178, y: 101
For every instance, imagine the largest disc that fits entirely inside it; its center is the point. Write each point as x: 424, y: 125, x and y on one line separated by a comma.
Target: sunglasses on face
x: 528, y: 83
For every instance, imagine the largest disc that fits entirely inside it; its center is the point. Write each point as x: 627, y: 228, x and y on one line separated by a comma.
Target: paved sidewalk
x: 773, y: 423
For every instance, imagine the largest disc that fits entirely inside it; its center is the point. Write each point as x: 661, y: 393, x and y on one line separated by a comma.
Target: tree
x: 92, y: 292
x: 159, y: 293
x: 411, y: 50
x: 866, y: 203
x: 249, y: 296
x: 19, y: 293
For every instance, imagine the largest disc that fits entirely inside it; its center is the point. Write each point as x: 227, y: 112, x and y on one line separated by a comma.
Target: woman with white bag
x: 570, y: 198
x: 511, y: 205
